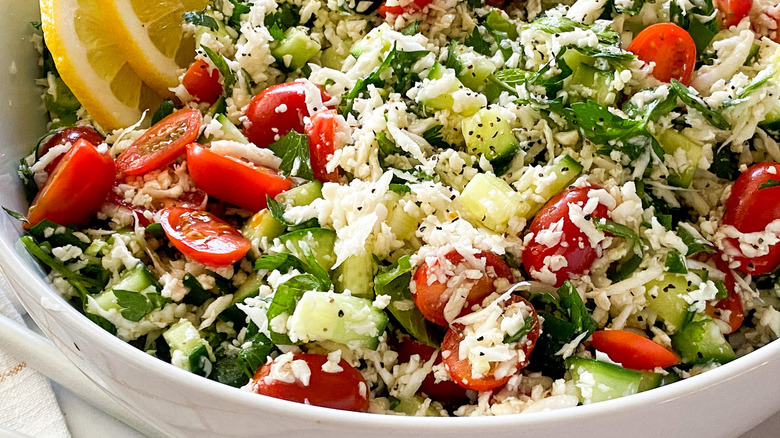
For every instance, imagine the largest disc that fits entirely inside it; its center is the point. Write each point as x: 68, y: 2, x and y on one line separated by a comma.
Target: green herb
x: 452, y: 58
x: 621, y: 271
x: 723, y: 293
x: 702, y: 32
x: 528, y: 324
x: 411, y: 28
x: 477, y: 42
x: 394, y: 281
x: 634, y: 9
x: 675, y: 262
x: 155, y: 230
x: 293, y: 149
x: 15, y: 215
x: 197, y: 295
x: 760, y: 79
x: 136, y: 305
x: 58, y: 234
x: 165, y: 109
x: 620, y: 230
x: 495, y: 21
x: 201, y: 18
x: 434, y: 137
x: 725, y: 163
x: 695, y: 245
x: 254, y: 351
x: 221, y: 63
x: 401, y: 189
x: 287, y: 15
x: 239, y: 8
x: 283, y: 262
x: 285, y: 299
x: 693, y: 101
x: 771, y: 182
x: 754, y: 49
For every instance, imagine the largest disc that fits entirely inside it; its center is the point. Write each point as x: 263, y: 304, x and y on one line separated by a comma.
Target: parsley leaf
x: 222, y: 65
x: 675, y: 262
x: 695, y: 244
x: 285, y: 299
x: 434, y: 137
x: 197, y: 294
x: 620, y: 230
x: 165, y: 109
x: 477, y: 42
x: 201, y: 19
x: 528, y: 324
x: 254, y: 351
x: 287, y: 15
x: 136, y: 305
x: 293, y: 149
x: 725, y: 163
x: 411, y: 28
x: 771, y: 182
x: 696, y: 102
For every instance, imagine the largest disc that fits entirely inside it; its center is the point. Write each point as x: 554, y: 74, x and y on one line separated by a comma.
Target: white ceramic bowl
x: 724, y: 402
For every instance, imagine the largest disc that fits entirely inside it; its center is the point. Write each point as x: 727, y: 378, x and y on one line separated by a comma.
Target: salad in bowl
x: 432, y: 208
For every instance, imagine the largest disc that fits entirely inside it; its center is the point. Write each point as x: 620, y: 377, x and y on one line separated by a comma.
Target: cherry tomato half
x: 670, y: 47
x: 202, y: 82
x: 447, y: 391
x: 728, y: 309
x: 195, y: 199
x: 633, y: 351
x: 414, y: 6
x: 431, y: 295
x: 573, y: 245
x: 161, y: 144
x: 733, y: 11
x: 230, y: 180
x: 75, y: 188
x: 749, y: 209
x: 461, y: 369
x: 203, y: 237
x: 68, y: 135
x: 345, y: 390
x: 322, y: 130
x: 276, y: 111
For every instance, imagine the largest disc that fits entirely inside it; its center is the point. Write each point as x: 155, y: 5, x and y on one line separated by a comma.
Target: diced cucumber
x: 592, y: 83
x: 665, y: 298
x: 685, y: 154
x: 574, y: 59
x: 316, y: 241
x: 356, y: 274
x: 229, y: 130
x: 599, y: 381
x: 496, y: 21
x: 138, y: 279
x: 304, y: 194
x: 249, y: 288
x: 489, y: 132
x: 414, y: 406
x: 327, y: 316
x: 401, y: 223
x: 371, y: 41
x: 189, y: 351
x: 490, y: 201
x: 261, y: 225
x: 650, y: 380
x: 537, y: 186
x: 476, y: 72
x: 217, y: 108
x: 701, y: 341
x: 444, y: 82
x: 295, y: 49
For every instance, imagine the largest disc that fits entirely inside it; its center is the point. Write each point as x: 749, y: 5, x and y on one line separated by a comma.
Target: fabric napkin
x: 27, y: 402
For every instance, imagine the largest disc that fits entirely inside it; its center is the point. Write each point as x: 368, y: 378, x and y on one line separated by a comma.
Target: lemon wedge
x: 92, y: 65
x: 150, y: 36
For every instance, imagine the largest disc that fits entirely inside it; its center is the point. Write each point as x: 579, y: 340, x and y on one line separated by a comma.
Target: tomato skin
x: 732, y: 303
x: 460, y: 370
x: 76, y: 188
x: 339, y: 390
x: 195, y: 200
x: 161, y: 144
x: 263, y: 123
x: 68, y: 135
x: 579, y: 259
x: 202, y: 82
x: 632, y: 350
x: 447, y: 392
x: 203, y: 237
x: 432, y: 298
x: 733, y: 11
x: 750, y: 209
x: 670, y: 47
x: 230, y: 180
x: 321, y: 131
x: 416, y: 5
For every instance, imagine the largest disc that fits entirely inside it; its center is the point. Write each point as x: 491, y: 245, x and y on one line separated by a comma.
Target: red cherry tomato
x: 230, y: 180
x: 733, y: 11
x: 195, y: 199
x: 461, y: 369
x: 276, y: 111
x: 322, y: 130
x: 447, y: 391
x: 633, y: 351
x: 161, y: 144
x: 414, y: 6
x: 750, y: 209
x: 203, y: 237
x: 731, y: 304
x: 202, y: 82
x: 68, y: 135
x: 345, y: 390
x: 670, y: 47
x: 573, y: 245
x: 431, y: 295
x: 75, y: 188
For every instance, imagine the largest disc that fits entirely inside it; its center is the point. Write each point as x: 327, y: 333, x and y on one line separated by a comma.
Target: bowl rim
x: 34, y: 286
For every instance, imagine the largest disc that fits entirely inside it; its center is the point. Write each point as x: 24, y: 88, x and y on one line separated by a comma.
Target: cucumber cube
x: 356, y: 274
x: 665, y: 297
x: 327, y: 316
x: 488, y: 132
x: 262, y: 224
x: 592, y: 83
x: 537, y: 186
x: 685, y: 155
x: 295, y: 49
x: 490, y: 201
x: 475, y: 73
x: 701, y: 341
x: 189, y: 350
x: 599, y: 381
x: 316, y: 241
x: 304, y: 194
